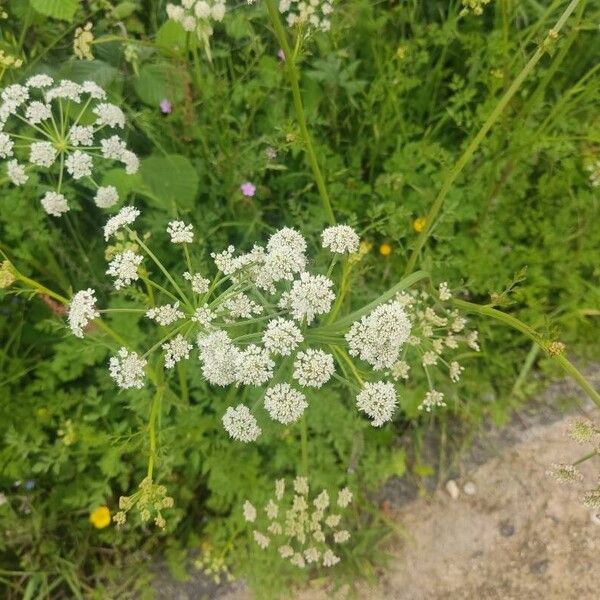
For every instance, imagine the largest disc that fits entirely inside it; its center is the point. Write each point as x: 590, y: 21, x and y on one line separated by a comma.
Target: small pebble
x: 507, y: 529
x: 595, y: 517
x: 470, y: 489
x: 452, y: 489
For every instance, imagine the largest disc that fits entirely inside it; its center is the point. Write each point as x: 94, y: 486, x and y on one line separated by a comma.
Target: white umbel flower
x: 378, y: 337
x: 341, y: 239
x: 175, y: 350
x: 37, y: 112
x: 311, y: 295
x: 79, y: 164
x: 249, y: 512
x: 82, y: 310
x: 219, y: 357
x: 80, y: 135
x: 433, y: 399
x: 200, y: 284
x: 16, y: 172
x: 284, y: 403
x: 241, y: 306
x: 285, y: 254
x: 256, y: 366
x: 106, y: 196
x: 55, y: 204
x: 344, y: 497
x: 109, y: 114
x: 378, y: 401
x: 42, y: 154
x: 39, y: 81
x: 240, y: 424
x: 204, y: 315
x: 126, y: 216
x: 180, y: 232
x: 6, y: 146
x: 124, y: 267
x: 313, y: 368
x: 282, y: 336
x: 165, y: 315
x: 127, y: 369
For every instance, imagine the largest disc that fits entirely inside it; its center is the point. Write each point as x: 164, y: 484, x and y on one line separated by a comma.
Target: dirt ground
x: 517, y: 534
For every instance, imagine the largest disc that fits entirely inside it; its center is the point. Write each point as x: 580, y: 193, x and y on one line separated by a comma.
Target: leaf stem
x: 292, y: 74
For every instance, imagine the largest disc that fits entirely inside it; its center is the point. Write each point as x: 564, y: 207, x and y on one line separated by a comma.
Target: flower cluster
x: 307, y: 13
x: 197, y: 15
x: 150, y: 500
x: 594, y: 170
x: 305, y: 532
x: 61, y: 129
x: 264, y: 321
x: 435, y: 333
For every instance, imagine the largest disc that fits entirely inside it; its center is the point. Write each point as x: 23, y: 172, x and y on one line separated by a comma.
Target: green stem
x: 152, y: 431
x: 515, y: 323
x: 586, y: 457
x: 479, y: 137
x: 304, y: 444
x: 292, y: 74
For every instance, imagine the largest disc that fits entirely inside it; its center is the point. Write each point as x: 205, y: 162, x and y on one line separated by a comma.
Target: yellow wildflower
x: 82, y: 42
x: 419, y: 224
x: 385, y: 249
x: 100, y: 517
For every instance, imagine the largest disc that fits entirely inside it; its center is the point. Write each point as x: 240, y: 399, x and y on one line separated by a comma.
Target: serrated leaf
x: 56, y: 9
x: 171, y: 178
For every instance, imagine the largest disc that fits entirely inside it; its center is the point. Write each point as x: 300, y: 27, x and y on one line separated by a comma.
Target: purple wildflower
x: 248, y: 189
x: 165, y: 107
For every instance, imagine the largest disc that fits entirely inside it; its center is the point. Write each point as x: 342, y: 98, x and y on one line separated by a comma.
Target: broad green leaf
x: 171, y: 178
x: 124, y: 10
x: 57, y: 9
x: 124, y: 183
x: 158, y: 82
x: 171, y: 36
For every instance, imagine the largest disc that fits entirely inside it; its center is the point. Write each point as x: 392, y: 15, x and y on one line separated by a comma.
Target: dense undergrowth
x: 393, y: 94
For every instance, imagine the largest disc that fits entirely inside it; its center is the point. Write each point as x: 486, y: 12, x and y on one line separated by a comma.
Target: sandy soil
x: 518, y: 535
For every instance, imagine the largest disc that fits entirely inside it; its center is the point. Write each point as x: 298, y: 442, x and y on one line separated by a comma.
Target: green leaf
x: 124, y: 10
x: 158, y: 82
x: 171, y: 178
x: 124, y: 183
x: 171, y: 36
x: 57, y: 9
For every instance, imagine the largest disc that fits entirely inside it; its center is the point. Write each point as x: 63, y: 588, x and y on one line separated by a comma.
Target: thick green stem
x: 515, y: 323
x: 292, y: 73
x: 152, y: 431
x: 479, y: 137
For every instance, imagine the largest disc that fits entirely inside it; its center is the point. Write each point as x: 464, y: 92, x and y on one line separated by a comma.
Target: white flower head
x: 340, y: 239
x: 311, y: 295
x: 166, y: 314
x: 282, y: 336
x: 42, y: 154
x: 200, y: 285
x: 433, y: 399
x: 313, y: 368
x: 219, y: 357
x: 175, y: 350
x: 6, y: 145
x: 126, y: 216
x: 204, y: 315
x: 284, y: 403
x: 55, y: 204
x: 344, y: 497
x: 124, y: 267
x: 127, y: 369
x: 82, y: 310
x: 106, y: 196
x: 16, y: 172
x: 255, y: 366
x: 378, y: 337
x: 249, y: 512
x: 79, y: 164
x: 378, y: 401
x: 109, y: 114
x: 240, y: 424
x: 180, y: 232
